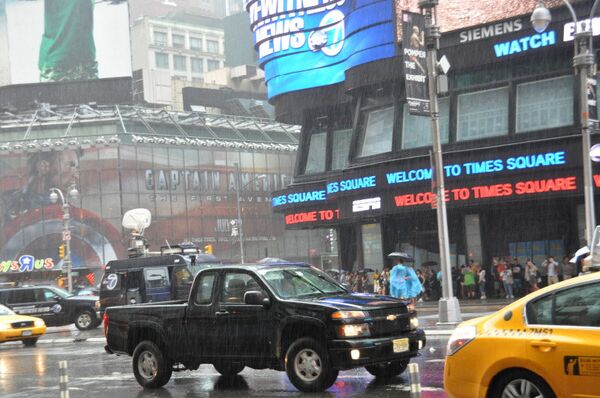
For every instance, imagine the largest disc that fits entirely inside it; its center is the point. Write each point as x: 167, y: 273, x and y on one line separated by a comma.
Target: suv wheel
x: 85, y: 320
x: 229, y: 369
x: 520, y: 383
x: 388, y: 370
x: 308, y: 367
x: 30, y: 342
x: 150, y: 367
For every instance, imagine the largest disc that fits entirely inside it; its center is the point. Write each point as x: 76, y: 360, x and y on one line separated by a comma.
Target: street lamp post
x: 583, y: 62
x: 448, y: 306
x: 55, y: 194
x: 238, y: 188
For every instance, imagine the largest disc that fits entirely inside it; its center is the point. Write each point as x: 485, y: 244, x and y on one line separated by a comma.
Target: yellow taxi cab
x: 544, y: 345
x: 23, y: 328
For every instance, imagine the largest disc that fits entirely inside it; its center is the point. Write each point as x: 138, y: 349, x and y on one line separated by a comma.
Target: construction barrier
x: 64, y: 379
x: 415, y: 382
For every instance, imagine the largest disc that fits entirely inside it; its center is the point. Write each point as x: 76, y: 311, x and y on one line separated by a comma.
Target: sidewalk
x: 469, y: 303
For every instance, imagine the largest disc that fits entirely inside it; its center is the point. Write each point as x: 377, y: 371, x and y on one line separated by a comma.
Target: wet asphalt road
x: 33, y: 372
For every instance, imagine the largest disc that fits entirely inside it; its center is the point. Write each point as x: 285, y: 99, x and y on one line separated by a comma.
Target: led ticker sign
x: 526, y: 43
x: 479, y: 192
x: 304, y: 44
x: 299, y: 197
x: 312, y: 217
x: 352, y: 184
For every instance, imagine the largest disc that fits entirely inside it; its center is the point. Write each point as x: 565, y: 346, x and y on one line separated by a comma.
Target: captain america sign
x: 305, y: 44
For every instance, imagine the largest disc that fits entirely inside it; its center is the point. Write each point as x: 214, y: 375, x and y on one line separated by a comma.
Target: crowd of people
x: 503, y: 278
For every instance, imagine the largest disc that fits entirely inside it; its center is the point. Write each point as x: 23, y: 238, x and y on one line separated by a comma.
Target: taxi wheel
x: 308, y: 366
x: 30, y: 342
x: 388, y: 370
x: 229, y: 369
x: 150, y: 367
x: 521, y: 383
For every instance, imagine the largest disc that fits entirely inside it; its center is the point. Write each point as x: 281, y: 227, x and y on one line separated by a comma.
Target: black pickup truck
x: 284, y: 317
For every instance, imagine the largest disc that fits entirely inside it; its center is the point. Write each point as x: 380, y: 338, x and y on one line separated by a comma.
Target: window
x: 578, y: 306
x: 483, y: 114
x: 236, y: 284
x: 179, y: 63
x: 178, y: 41
x: 21, y: 296
x: 545, y: 104
x: 377, y: 132
x: 416, y: 131
x: 340, y: 149
x: 196, y: 43
x: 212, y: 46
x: 160, y: 38
x: 205, y: 289
x: 212, y: 64
x: 47, y: 295
x: 315, y: 160
x: 156, y: 277
x: 197, y: 65
x: 162, y: 60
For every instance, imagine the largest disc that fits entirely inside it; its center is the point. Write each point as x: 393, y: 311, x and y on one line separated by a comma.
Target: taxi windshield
x: 300, y: 282
x: 5, y: 311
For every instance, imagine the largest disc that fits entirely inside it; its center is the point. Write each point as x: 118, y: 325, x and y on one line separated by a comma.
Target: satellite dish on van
x: 137, y: 219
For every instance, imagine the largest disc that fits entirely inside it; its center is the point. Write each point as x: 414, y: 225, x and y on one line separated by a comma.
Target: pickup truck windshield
x: 299, y: 282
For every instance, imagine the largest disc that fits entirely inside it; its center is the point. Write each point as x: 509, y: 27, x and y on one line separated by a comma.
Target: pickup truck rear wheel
x: 229, y: 368
x: 388, y: 370
x: 308, y: 367
x: 150, y: 367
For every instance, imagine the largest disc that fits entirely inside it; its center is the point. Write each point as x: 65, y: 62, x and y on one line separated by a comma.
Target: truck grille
x: 22, y: 324
x: 389, y: 322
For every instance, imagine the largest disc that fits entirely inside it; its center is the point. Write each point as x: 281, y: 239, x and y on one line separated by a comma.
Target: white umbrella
x: 584, y: 251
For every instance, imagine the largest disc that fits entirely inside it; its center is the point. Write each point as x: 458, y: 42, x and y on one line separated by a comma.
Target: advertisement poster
x: 64, y: 40
x: 415, y: 64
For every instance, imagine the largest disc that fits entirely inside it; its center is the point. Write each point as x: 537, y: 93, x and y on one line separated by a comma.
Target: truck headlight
x: 39, y: 323
x: 461, y: 336
x: 348, y: 315
x: 356, y: 330
x: 414, y: 323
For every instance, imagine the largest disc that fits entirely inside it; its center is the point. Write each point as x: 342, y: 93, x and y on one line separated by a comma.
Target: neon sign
x: 520, y: 188
x: 26, y: 263
x: 521, y: 162
x: 526, y: 43
x: 309, y: 217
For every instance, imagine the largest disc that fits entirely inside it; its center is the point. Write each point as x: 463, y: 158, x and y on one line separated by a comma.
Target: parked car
x: 54, y: 305
x: 13, y: 327
x: 545, y: 345
x: 284, y: 317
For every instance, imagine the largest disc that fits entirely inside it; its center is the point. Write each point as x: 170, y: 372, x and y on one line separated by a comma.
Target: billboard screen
x: 310, y: 44
x: 57, y: 40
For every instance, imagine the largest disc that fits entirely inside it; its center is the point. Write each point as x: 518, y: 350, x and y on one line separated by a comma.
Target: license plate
x: 400, y: 345
x: 26, y: 333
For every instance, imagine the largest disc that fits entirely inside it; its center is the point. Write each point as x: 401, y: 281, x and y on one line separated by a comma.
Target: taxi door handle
x: 543, y: 344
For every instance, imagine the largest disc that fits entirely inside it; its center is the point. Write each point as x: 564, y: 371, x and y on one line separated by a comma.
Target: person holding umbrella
x: 404, y: 282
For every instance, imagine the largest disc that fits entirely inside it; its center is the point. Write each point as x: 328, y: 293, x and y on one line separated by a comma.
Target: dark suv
x: 54, y: 305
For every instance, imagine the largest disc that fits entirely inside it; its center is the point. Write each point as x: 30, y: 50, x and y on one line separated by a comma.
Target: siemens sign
x: 525, y: 44
x: 305, y: 44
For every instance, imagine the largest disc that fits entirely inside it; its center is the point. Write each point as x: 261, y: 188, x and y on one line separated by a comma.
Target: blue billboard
x: 304, y: 44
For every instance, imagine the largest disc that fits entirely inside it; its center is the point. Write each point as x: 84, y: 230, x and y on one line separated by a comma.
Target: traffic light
x: 208, y: 249
x: 61, y: 251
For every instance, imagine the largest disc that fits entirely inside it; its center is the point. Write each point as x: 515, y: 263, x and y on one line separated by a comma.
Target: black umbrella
x: 402, y: 255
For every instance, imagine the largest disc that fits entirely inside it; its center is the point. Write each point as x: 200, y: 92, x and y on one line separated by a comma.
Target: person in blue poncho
x: 404, y: 282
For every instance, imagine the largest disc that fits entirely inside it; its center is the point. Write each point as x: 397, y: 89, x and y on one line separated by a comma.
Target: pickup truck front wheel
x: 150, y: 367
x: 308, y: 367
x: 388, y: 370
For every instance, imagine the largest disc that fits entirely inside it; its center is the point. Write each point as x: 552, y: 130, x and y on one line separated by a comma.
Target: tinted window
x: 236, y: 284
x: 156, y: 277
x: 21, y: 296
x: 578, y: 306
x: 205, y: 288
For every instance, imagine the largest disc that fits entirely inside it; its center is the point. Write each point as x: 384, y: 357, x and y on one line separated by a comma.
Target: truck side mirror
x: 256, y: 298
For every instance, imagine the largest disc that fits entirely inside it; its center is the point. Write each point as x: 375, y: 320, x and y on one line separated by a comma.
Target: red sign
x: 520, y: 188
x: 309, y: 217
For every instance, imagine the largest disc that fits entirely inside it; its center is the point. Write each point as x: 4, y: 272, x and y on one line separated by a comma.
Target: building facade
x: 509, y: 127
x: 174, y: 51
x: 189, y: 169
